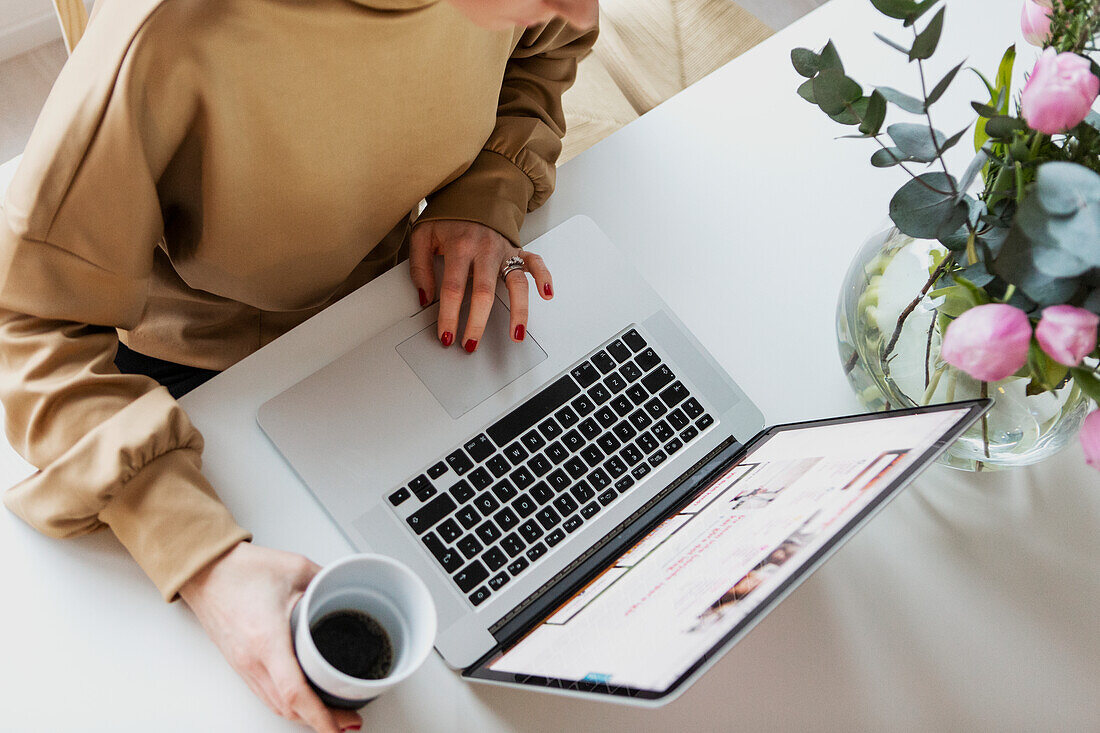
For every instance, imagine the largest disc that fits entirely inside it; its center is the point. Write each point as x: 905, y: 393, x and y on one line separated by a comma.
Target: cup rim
x: 303, y: 604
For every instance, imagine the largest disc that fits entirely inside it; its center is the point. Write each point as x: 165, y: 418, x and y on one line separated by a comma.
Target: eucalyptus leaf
x: 927, y: 40
x: 806, y: 62
x: 922, y: 8
x: 900, y: 9
x: 953, y: 140
x: 972, y: 170
x: 926, y: 206
x: 1016, y: 265
x: 830, y: 58
x: 892, y: 44
x: 1066, y: 188
x: 806, y: 91
x: 942, y: 85
x: 904, y: 101
x: 977, y: 274
x: 1087, y: 381
x: 874, y: 115
x: 834, y: 91
x: 888, y: 157
x: 985, y: 110
x: 1044, y: 370
x: 1092, y: 302
x: 1003, y: 127
x: 916, y: 141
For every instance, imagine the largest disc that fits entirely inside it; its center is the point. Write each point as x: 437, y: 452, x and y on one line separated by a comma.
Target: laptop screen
x: 682, y: 592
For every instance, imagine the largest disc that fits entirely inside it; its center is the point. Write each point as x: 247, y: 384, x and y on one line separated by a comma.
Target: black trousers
x: 178, y: 378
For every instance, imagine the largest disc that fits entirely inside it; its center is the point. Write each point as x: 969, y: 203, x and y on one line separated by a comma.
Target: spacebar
x: 509, y: 427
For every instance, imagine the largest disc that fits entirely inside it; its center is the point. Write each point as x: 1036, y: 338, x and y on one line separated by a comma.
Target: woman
x: 207, y: 175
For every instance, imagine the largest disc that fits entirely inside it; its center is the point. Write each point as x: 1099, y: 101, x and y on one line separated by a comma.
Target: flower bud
x: 988, y: 342
x: 1059, y: 93
x: 1035, y: 22
x: 1067, y: 333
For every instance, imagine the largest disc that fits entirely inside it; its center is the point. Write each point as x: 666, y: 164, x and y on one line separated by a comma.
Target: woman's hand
x: 244, y: 600
x: 467, y: 246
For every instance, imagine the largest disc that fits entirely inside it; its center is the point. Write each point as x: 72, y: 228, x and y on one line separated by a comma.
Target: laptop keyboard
x: 500, y: 502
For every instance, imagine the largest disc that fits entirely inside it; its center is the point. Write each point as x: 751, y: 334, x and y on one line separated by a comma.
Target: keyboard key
x: 498, y: 465
x: 585, y: 374
x: 614, y: 383
x: 556, y: 452
x: 583, y: 405
x: 621, y: 405
x: 504, y: 490
x: 592, y: 455
x: 559, y: 480
x: 624, y: 431
x: 548, y: 518
x: 400, y: 496
x: 506, y: 518
x: 541, y: 492
x: 567, y: 417
x: 467, y: 517
x: 486, y: 503
x: 692, y: 408
x: 606, y: 417
x: 533, y: 441
x: 582, y: 491
x: 518, y: 566
x: 468, y: 577
x: 459, y: 462
x: 530, y: 530
x: 657, y: 458
x: 536, y: 551
x: 689, y: 434
x: 572, y: 524
x: 499, y: 581
x: 549, y: 429
x: 631, y: 454
x: 647, y: 360
x: 678, y: 420
x: 630, y: 371
x: 603, y: 361
x: 704, y: 422
x: 637, y: 394
x: 531, y: 412
x: 512, y: 544
x: 495, y: 558
x: 673, y: 445
x: 576, y: 468
x: 565, y: 504
x: 590, y: 510
x: 479, y: 596
x: 572, y: 440
x: 515, y: 453
x: 431, y: 513
x: 624, y: 483
x: 468, y: 546
x: 640, y: 419
x: 437, y: 470
x: 449, y: 530
x: 449, y: 559
x: 539, y: 465
x: 555, y: 537
x: 674, y: 394
x: 489, y: 533
x: 634, y: 340
x: 462, y: 491
x: 522, y: 478
x: 608, y: 443
x: 640, y: 470
x: 661, y: 431
x: 480, y: 478
x: 616, y: 467
x: 599, y: 479
x: 646, y: 442
x: 655, y: 408
x: 422, y: 487
x: 618, y: 350
x: 524, y: 506
x: 599, y: 394
x: 480, y: 448
x: 607, y: 497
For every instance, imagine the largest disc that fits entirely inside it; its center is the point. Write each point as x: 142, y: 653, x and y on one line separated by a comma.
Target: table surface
x: 969, y: 603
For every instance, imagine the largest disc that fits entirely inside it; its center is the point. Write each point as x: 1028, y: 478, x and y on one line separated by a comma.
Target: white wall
x: 26, y: 24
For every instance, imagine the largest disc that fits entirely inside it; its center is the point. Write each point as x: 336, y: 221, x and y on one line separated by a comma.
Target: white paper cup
x: 380, y: 587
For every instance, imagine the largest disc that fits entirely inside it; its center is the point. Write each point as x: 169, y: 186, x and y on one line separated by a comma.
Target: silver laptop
x: 506, y: 477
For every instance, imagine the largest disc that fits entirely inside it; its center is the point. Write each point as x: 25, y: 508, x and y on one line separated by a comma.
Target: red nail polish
x: 520, y: 332
x: 471, y: 344
x: 547, y: 289
x: 447, y: 338
x: 352, y: 727
x: 423, y: 297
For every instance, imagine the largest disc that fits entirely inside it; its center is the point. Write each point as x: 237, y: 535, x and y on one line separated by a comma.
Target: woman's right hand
x: 243, y: 600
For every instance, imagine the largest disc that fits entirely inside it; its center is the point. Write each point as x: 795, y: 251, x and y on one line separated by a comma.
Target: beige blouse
x: 206, y: 175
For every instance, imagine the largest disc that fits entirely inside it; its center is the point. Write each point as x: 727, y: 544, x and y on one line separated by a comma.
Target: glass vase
x: 884, y: 281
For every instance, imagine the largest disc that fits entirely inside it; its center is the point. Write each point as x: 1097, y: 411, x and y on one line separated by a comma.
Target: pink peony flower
x: 988, y: 342
x: 1035, y: 22
x: 1090, y: 439
x: 1067, y: 333
x: 1059, y: 92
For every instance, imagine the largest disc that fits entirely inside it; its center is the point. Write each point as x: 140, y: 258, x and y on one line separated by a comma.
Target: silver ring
x: 515, y: 262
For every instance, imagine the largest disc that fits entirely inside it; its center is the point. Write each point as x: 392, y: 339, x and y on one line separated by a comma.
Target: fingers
x: 297, y: 696
x: 482, y: 294
x: 516, y: 283
x: 456, y: 270
x: 541, y: 273
x: 421, y: 257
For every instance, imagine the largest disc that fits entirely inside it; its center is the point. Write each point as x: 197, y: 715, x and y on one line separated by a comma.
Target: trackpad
x: 462, y: 381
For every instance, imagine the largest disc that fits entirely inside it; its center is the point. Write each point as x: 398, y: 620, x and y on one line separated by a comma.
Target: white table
x: 968, y: 604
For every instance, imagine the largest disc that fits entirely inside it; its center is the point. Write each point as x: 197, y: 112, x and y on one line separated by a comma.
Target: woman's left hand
x: 468, y: 246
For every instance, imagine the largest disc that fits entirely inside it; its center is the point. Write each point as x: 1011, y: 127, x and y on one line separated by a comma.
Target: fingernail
x: 423, y: 297
x: 447, y: 338
x: 547, y: 289
x: 471, y: 344
x: 353, y: 727
x: 520, y: 332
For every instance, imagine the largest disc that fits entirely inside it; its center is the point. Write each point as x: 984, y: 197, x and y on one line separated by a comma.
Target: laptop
x: 530, y: 483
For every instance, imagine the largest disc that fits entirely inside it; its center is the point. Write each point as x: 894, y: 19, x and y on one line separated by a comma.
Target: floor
x: 26, y: 80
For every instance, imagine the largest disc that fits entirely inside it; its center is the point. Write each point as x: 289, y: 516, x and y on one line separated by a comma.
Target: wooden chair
x: 73, y: 17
